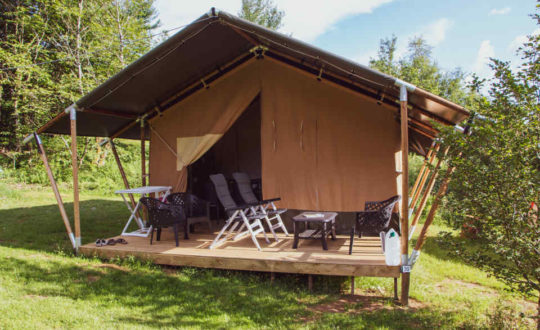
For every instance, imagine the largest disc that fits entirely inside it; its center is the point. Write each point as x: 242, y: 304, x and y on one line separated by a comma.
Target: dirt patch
x: 357, y: 304
x: 113, y: 266
x: 92, y: 278
x: 169, y: 270
x: 449, y: 283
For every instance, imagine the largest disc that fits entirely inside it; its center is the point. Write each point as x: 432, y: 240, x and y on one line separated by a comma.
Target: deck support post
x: 395, y: 289
x: 352, y: 285
x: 54, y: 187
x: 272, y: 277
x: 75, y: 167
x: 310, y: 282
x: 405, y: 276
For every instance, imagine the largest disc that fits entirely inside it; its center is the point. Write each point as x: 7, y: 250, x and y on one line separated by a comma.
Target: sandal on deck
x: 100, y: 242
x: 121, y: 241
x: 111, y: 242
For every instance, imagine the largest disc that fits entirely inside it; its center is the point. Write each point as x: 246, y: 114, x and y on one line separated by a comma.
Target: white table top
x: 144, y: 190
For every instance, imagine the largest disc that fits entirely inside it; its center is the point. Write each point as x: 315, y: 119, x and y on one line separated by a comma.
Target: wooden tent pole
x: 421, y: 172
x: 75, y: 168
x: 122, y: 173
x: 427, y: 172
x: 422, y: 175
x: 143, y: 153
x: 431, y: 215
x: 63, y: 213
x: 405, y: 276
x: 427, y: 193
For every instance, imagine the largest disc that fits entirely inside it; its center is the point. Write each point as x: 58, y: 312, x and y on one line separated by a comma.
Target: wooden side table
x: 324, y: 219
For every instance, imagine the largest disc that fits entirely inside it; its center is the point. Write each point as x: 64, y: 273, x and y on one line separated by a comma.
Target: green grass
x: 42, y: 285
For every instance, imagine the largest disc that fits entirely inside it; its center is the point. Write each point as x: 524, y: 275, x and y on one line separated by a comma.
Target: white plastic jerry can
x: 392, y: 248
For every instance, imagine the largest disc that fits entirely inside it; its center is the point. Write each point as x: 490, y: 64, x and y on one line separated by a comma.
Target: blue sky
x: 463, y: 33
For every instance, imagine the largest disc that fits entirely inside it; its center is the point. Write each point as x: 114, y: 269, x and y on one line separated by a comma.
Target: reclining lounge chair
x: 266, y: 207
x: 245, y: 216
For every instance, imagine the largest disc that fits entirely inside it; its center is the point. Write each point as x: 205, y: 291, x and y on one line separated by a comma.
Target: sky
x: 463, y: 33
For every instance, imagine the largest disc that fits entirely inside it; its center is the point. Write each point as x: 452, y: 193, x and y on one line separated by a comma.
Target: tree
x: 262, y: 12
x: 54, y: 51
x: 496, y: 183
x: 417, y: 67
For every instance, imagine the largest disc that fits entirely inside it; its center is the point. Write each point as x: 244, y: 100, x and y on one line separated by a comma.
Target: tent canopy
x: 211, y: 47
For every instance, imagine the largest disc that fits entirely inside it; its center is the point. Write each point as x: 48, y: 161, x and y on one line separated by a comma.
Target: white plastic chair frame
x: 267, y: 207
x: 250, y: 220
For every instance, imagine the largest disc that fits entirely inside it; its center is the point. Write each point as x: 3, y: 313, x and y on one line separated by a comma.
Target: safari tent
x: 319, y: 131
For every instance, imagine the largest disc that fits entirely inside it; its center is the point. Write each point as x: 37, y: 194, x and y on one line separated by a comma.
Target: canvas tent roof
x: 208, y: 48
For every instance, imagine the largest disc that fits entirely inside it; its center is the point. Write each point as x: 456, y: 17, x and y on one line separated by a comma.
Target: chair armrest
x: 266, y: 201
x: 241, y: 207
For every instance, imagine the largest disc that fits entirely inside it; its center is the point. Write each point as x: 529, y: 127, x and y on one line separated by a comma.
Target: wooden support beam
x: 310, y: 282
x: 75, y: 168
x: 119, y: 114
x: 421, y: 172
x: 352, y: 285
x: 423, y: 179
x: 405, y: 191
x: 51, y: 122
x: 122, y: 173
x: 54, y: 187
x: 395, y: 289
x: 143, y: 153
x: 427, y: 193
x: 431, y: 215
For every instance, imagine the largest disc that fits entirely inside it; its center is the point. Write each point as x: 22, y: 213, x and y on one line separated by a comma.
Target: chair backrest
x: 244, y: 188
x: 193, y: 205
x: 385, y: 207
x: 160, y: 213
x: 222, y: 191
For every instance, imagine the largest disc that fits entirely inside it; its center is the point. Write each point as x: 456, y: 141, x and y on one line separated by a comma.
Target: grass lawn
x: 42, y: 285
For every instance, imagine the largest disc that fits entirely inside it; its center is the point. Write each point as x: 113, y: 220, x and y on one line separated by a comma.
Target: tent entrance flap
x: 238, y: 150
x: 195, y: 124
x: 191, y: 148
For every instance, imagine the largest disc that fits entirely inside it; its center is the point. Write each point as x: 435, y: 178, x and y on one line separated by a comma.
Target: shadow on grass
x: 42, y: 228
x: 142, y: 296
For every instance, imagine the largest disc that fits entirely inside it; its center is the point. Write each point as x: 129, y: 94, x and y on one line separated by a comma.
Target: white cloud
x: 500, y: 11
x: 435, y: 33
x: 520, y: 40
x: 305, y: 19
x: 480, y: 65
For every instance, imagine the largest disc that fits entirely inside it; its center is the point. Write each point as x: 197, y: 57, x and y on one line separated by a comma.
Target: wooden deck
x: 367, y: 258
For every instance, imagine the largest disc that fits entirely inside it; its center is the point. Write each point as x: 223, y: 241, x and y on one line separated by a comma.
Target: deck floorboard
x: 367, y: 258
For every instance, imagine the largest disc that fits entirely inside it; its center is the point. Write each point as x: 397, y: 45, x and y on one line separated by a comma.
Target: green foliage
x: 497, y: 174
x: 418, y: 68
x: 51, y: 53
x: 262, y: 12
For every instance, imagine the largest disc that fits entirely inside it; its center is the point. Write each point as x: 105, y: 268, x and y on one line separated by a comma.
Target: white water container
x: 392, y: 248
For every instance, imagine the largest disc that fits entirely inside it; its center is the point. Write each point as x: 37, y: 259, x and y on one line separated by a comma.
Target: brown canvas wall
x: 210, y: 111
x: 324, y: 148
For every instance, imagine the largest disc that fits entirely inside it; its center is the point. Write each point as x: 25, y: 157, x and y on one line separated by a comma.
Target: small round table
x: 323, y: 218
